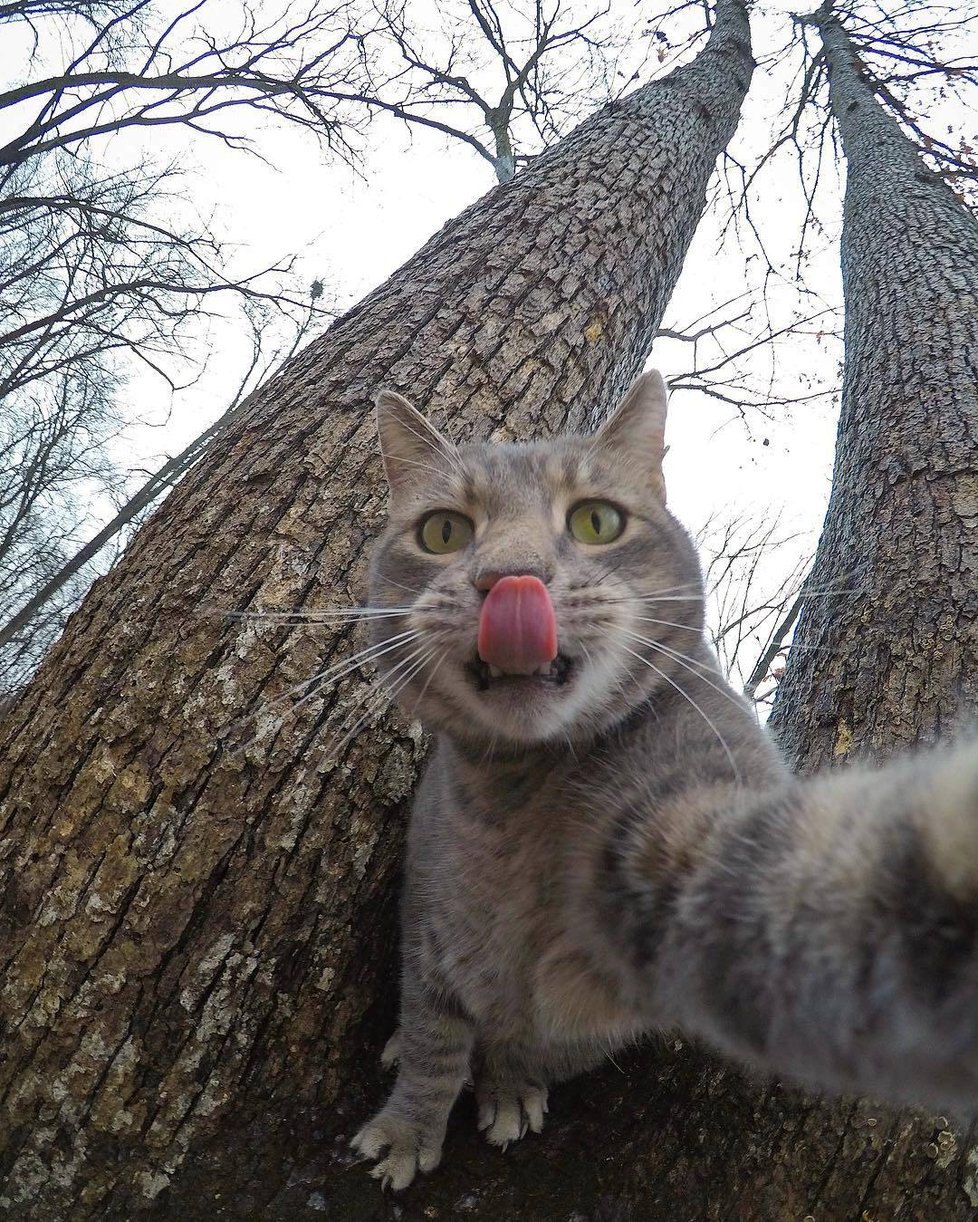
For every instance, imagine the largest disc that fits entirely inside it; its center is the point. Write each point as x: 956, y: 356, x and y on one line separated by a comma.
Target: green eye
x: 595, y: 522
x: 442, y: 532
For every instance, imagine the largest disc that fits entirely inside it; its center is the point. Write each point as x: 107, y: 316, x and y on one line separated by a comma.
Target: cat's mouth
x: 556, y: 673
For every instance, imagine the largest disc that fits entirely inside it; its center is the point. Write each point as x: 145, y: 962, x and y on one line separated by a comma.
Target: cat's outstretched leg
x: 826, y: 930
x: 432, y: 1046
x: 511, y: 1094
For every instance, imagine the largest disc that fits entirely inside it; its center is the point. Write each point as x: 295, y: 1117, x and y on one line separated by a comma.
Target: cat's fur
x: 628, y: 852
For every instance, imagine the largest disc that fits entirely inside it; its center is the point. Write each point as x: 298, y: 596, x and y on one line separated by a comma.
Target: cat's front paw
x: 392, y: 1051
x: 401, y: 1149
x: 507, y: 1113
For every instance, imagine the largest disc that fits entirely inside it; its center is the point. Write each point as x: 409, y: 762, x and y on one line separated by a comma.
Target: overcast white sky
x: 354, y: 232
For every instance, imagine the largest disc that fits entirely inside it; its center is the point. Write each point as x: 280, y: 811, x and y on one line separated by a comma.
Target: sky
x: 352, y: 231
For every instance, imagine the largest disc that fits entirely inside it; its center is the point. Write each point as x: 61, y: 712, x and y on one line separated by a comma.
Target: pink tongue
x: 517, y: 627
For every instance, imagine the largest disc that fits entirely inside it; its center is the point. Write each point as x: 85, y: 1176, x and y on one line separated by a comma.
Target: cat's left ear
x: 409, y: 445
x: 636, y: 430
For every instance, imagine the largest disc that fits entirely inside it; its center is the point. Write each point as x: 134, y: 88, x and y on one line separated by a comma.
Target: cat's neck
x: 486, y: 758
x: 484, y: 762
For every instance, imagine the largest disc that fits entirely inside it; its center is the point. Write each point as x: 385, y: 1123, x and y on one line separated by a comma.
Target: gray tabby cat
x: 605, y: 842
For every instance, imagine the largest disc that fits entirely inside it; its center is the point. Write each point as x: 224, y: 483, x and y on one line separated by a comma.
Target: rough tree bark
x: 894, y: 660
x: 195, y: 937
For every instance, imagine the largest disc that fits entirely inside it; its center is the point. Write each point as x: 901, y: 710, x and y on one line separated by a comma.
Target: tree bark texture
x: 894, y: 659
x: 197, y: 901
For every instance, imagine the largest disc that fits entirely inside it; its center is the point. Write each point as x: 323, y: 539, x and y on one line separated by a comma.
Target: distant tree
x: 921, y: 64
x: 508, y: 79
x: 43, y: 573
x: 104, y: 269
x: 144, y: 64
x: 754, y: 571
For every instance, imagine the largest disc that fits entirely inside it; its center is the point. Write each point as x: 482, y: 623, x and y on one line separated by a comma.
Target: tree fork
x: 196, y: 917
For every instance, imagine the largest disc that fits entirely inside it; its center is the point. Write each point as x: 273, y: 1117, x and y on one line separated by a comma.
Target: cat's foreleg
x: 433, y: 1048
x: 829, y: 930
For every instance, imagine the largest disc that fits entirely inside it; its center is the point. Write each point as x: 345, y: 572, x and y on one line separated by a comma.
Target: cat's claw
x: 400, y: 1150
x: 507, y: 1115
x: 392, y: 1051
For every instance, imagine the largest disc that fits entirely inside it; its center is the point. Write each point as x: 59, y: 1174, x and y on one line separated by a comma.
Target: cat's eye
x: 443, y: 532
x: 595, y: 522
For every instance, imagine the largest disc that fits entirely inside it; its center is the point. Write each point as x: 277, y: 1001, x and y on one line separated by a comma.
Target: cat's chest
x: 508, y: 885
x: 511, y: 940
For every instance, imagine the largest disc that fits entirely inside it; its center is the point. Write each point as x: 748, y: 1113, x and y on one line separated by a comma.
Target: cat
x: 606, y: 842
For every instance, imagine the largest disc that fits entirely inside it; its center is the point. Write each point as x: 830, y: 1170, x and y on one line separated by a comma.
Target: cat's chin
x: 523, y: 708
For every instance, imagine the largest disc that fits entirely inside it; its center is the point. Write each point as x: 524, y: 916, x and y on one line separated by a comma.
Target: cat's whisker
x: 686, y: 585
x: 400, y: 584
x: 377, y: 703
x: 411, y: 675
x: 695, y: 590
x: 644, y: 601
x: 612, y: 570
x: 686, y: 696
x: 343, y: 667
x: 318, y: 615
x: 490, y: 747
x: 422, y: 466
x: 832, y: 593
x: 322, y: 679
x: 441, y: 658
x: 666, y: 623
x: 452, y: 451
x: 688, y: 663
x: 669, y: 595
x: 643, y: 597
x: 381, y: 698
x: 670, y: 598
x: 392, y: 683
x: 633, y: 599
x: 677, y: 589
x: 380, y: 686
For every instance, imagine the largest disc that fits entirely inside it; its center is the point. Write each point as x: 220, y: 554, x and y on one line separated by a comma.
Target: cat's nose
x: 484, y: 581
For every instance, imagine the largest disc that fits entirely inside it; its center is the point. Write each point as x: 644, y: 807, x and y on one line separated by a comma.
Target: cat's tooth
x: 495, y: 672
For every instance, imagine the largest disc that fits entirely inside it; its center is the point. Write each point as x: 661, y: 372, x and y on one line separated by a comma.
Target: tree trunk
x: 197, y: 903
x: 893, y: 658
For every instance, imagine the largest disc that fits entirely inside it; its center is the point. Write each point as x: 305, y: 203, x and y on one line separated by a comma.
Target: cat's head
x: 534, y: 576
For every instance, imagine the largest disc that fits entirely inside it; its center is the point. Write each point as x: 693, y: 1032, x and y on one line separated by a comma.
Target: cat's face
x: 533, y: 577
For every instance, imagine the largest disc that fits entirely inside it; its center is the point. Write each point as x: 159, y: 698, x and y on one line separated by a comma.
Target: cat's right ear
x: 636, y: 429
x: 409, y: 445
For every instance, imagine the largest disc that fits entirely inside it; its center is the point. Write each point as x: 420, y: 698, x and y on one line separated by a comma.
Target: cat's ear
x: 409, y: 445
x: 636, y: 429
